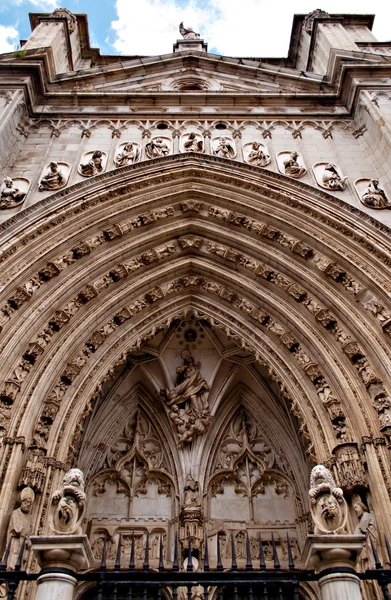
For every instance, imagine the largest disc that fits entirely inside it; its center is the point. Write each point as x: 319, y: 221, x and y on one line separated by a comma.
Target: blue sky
x: 231, y: 27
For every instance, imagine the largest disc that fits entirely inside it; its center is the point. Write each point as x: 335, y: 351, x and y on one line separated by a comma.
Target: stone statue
x: 10, y: 195
x: 188, y: 34
x: 224, y: 148
x: 53, y: 180
x: 374, y: 197
x: 191, y: 493
x: 257, y: 156
x: 20, y: 526
x: 193, y: 143
x: 157, y: 147
x: 68, y: 504
x: 188, y: 400
x: 332, y: 179
x: 292, y: 167
x: 94, y: 165
x: 327, y: 504
x: 366, y: 526
x: 129, y: 154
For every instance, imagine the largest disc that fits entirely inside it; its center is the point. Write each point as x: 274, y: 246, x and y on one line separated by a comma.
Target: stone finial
x: 68, y: 504
x: 327, y: 504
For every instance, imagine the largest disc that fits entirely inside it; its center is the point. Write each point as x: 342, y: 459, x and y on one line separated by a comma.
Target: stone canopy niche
x: 190, y: 435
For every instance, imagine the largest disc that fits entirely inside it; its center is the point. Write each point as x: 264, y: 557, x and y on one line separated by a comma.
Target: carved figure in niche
x: 332, y: 179
x: 292, y: 167
x: 10, y: 194
x: 193, y: 143
x: 327, y: 504
x: 94, y: 165
x: 188, y: 33
x: 155, y: 547
x: 129, y: 154
x: 366, y: 526
x: 54, y: 178
x: 240, y: 549
x: 224, y: 148
x: 20, y: 526
x: 191, y: 496
x: 157, y: 147
x: 257, y: 156
x: 188, y: 400
x: 68, y: 504
x: 374, y: 196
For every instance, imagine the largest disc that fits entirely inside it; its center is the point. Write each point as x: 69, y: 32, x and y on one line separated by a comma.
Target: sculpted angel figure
x: 374, y: 196
x: 94, y: 165
x: 10, y: 195
x: 188, y: 400
x: 53, y: 180
x: 257, y: 156
x: 188, y: 33
x: 332, y: 179
x: 292, y: 167
x: 157, y: 147
x: 224, y: 148
x: 129, y: 154
x: 191, y: 495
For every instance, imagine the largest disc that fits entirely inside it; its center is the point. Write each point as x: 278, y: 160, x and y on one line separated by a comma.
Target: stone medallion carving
x: 54, y: 176
x: 291, y: 163
x: 192, y: 142
x: 93, y: 163
x: 68, y: 504
x: 329, y: 176
x: 256, y: 153
x: 188, y: 400
x: 157, y: 147
x: 224, y: 147
x: 327, y: 504
x: 127, y: 153
x: 371, y: 193
x: 13, y: 192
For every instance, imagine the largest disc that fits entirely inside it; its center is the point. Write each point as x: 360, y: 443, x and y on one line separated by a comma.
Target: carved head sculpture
x: 53, y: 166
x: 359, y: 508
x: 73, y: 480
x: 27, y: 498
x: 327, y: 504
x: 8, y: 182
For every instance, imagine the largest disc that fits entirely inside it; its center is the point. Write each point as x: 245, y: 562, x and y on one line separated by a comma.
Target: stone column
x: 334, y: 558
x: 60, y: 558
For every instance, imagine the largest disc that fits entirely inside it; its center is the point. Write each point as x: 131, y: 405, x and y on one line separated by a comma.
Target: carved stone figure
x: 188, y: 33
x: 188, y: 400
x: 366, y: 526
x: 374, y: 196
x: 292, y: 167
x: 54, y: 178
x: 327, y: 504
x: 191, y: 495
x: 194, y: 143
x: 10, y: 194
x: 224, y: 148
x: 129, y: 154
x: 20, y: 526
x: 332, y: 179
x: 157, y: 147
x: 257, y: 156
x: 68, y: 504
x: 94, y: 166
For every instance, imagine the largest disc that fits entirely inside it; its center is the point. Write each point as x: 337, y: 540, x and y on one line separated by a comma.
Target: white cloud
x: 232, y: 27
x: 9, y: 37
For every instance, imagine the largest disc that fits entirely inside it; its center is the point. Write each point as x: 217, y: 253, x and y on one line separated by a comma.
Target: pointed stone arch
x: 297, y: 276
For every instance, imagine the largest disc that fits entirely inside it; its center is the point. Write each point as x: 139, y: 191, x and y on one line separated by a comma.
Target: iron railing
x: 251, y: 582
